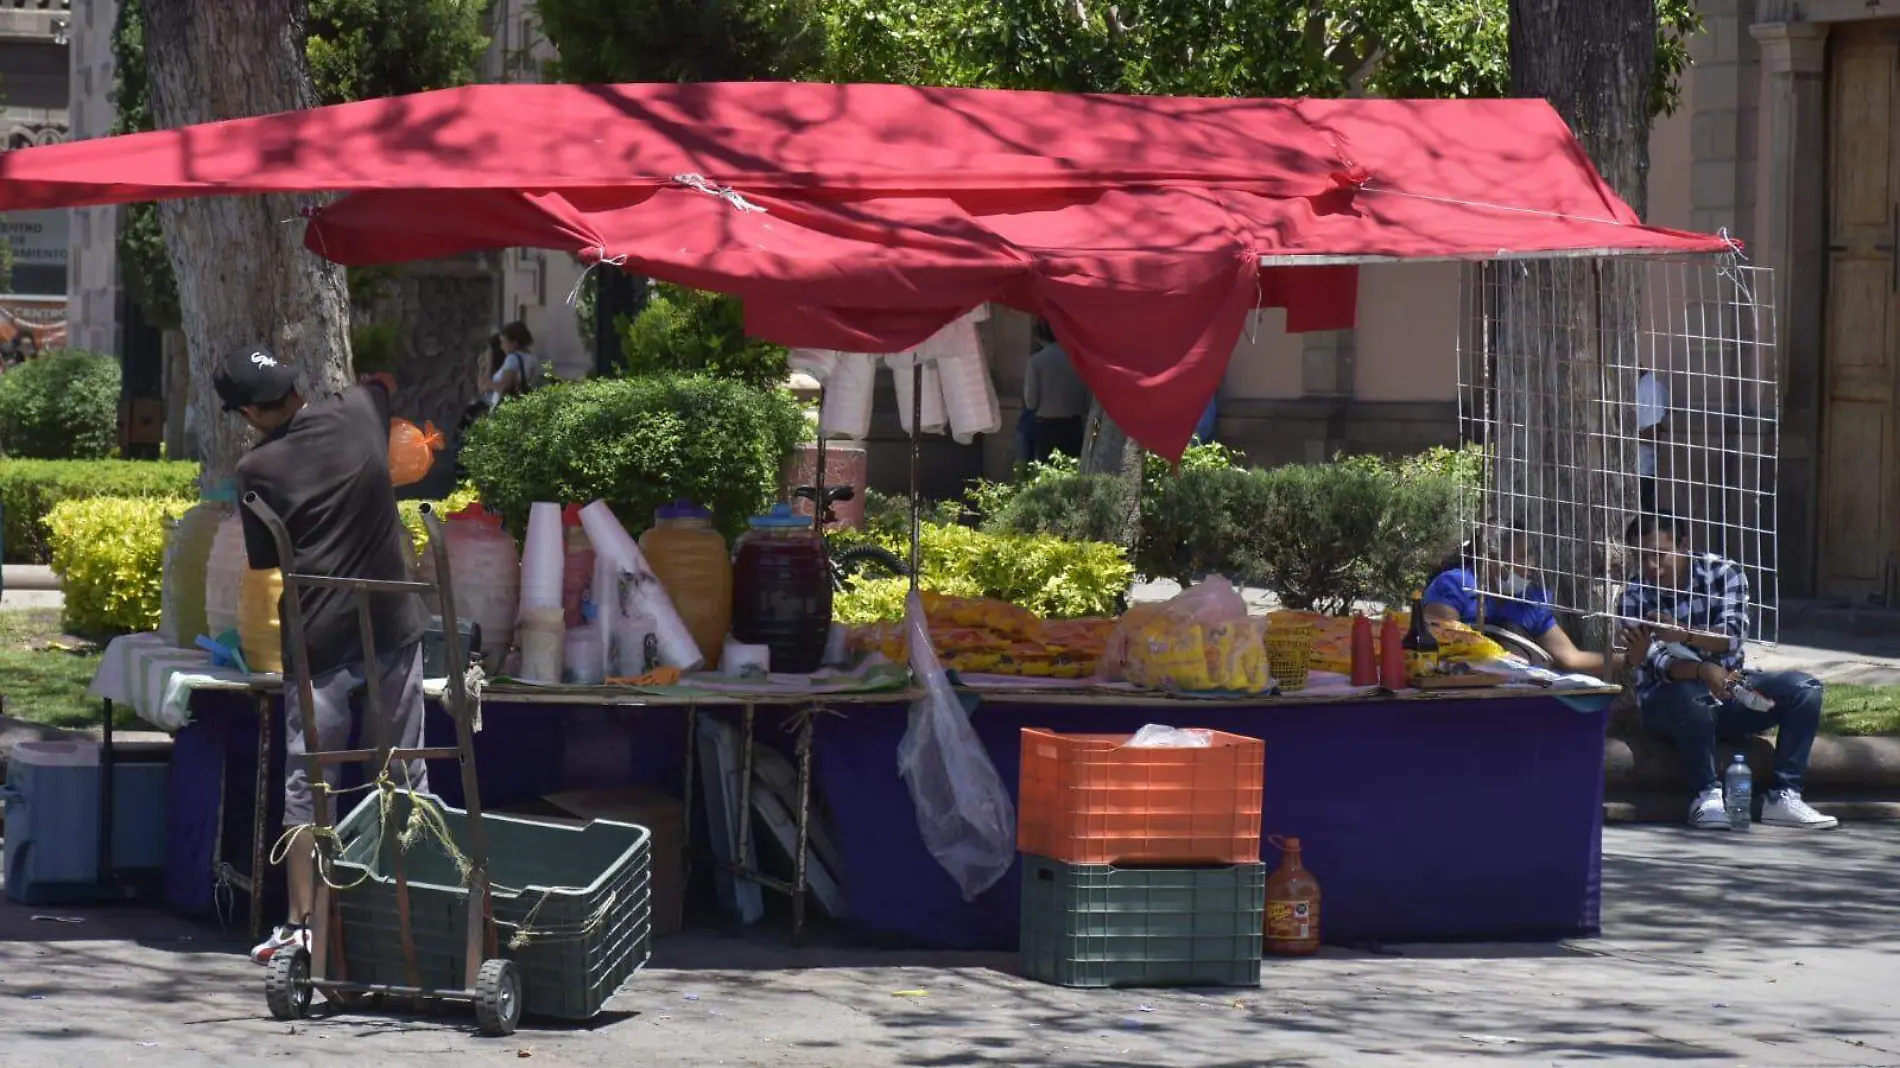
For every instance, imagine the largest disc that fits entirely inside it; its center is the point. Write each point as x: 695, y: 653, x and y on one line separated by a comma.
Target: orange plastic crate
x: 1087, y: 799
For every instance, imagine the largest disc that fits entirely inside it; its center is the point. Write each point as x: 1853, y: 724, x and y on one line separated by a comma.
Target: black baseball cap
x: 253, y: 376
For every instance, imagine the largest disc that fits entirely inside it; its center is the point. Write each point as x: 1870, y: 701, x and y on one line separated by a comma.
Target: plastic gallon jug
x: 224, y: 572
x: 485, y: 569
x: 691, y: 560
x: 577, y: 567
x: 188, y: 542
x: 781, y: 590
x: 1292, y: 904
x: 259, y: 626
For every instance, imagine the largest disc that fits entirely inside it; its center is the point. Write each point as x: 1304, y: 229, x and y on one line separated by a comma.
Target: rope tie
x: 723, y: 192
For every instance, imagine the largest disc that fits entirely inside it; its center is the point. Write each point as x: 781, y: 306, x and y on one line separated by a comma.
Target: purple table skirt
x: 1439, y: 820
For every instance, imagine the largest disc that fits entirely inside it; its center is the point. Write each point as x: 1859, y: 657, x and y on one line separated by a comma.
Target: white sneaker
x: 284, y: 937
x: 1706, y: 812
x: 1786, y: 809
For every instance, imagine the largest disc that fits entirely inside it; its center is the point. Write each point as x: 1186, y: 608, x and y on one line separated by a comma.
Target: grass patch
x: 44, y: 673
x: 1861, y: 710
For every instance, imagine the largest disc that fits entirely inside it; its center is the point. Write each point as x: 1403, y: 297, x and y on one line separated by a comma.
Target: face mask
x: 1515, y: 584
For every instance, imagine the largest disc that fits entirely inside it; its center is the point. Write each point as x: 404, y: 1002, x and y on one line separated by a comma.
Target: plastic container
x: 1292, y: 904
x: 584, y: 658
x: 52, y: 827
x: 259, y: 623
x: 781, y: 590
x: 574, y: 904
x: 1086, y: 925
x: 1089, y: 799
x: 224, y: 574
x: 694, y: 565
x: 188, y: 541
x: 486, y: 571
x: 577, y: 568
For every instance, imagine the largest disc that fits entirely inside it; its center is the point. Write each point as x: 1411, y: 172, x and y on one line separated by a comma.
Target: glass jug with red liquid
x: 781, y: 590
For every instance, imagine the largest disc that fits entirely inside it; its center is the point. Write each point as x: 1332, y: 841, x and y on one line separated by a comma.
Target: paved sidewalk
x: 1776, y: 948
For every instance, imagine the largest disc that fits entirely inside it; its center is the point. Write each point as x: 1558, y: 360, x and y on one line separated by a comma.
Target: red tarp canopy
x: 863, y: 217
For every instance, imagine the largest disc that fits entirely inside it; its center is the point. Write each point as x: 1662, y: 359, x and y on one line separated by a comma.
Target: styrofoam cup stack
x: 934, y: 418
x: 543, y: 558
x: 849, y: 389
x: 641, y: 591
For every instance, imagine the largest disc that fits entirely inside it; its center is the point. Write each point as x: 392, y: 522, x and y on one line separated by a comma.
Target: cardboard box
x: 661, y: 816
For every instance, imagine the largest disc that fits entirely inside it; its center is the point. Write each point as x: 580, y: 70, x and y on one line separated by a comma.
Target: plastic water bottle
x: 1738, y: 794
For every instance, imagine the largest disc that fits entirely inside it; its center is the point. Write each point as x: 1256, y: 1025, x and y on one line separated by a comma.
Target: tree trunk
x: 1566, y: 350
x: 244, y: 277
x: 178, y: 445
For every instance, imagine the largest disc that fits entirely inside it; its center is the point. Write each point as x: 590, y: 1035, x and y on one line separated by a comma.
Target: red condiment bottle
x: 1391, y: 654
x: 1292, y: 904
x: 1365, y: 661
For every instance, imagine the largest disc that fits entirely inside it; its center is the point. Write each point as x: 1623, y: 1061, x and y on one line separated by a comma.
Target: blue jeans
x: 1688, y: 715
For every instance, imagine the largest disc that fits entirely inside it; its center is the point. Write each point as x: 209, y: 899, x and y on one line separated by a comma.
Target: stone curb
x: 35, y: 577
x: 1674, y: 808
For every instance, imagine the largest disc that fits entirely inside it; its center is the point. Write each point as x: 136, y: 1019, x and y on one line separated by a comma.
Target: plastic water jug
x: 259, y: 624
x: 781, y: 590
x: 486, y: 571
x: 188, y: 541
x: 224, y: 572
x: 692, y: 562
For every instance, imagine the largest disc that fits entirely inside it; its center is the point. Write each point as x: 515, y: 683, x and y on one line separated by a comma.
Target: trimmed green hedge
x: 63, y: 405
x: 109, y: 553
x: 29, y: 490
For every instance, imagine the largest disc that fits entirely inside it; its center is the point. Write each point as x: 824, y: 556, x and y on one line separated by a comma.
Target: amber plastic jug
x: 1292, y: 904
x: 259, y: 626
x: 694, y: 565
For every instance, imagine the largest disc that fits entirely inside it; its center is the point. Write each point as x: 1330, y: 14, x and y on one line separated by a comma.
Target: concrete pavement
x: 1775, y: 948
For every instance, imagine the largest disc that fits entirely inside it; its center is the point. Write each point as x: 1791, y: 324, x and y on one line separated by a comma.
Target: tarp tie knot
x: 723, y: 192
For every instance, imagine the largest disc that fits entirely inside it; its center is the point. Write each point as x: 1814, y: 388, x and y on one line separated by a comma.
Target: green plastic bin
x: 1097, y: 925
x: 585, y: 893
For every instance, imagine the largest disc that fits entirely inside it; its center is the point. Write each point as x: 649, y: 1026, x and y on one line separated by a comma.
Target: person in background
x: 1209, y: 425
x: 1507, y: 597
x: 1688, y: 620
x: 521, y: 370
x: 1652, y: 413
x: 1057, y: 395
x: 323, y: 467
x: 1026, y: 436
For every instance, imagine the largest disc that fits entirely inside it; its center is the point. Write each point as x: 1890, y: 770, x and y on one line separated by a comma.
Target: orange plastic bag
x: 412, y: 450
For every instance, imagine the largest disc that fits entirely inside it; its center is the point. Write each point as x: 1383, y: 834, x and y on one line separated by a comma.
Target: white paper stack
x: 641, y: 591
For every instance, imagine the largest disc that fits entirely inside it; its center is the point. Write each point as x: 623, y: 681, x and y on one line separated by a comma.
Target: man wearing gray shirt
x: 1057, y: 395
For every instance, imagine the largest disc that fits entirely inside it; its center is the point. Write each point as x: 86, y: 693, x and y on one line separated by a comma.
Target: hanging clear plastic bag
x: 963, y: 809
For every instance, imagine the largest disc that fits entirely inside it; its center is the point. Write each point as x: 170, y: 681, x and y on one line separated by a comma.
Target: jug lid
x: 571, y: 515
x: 781, y: 517
x: 474, y: 512
x: 682, y: 509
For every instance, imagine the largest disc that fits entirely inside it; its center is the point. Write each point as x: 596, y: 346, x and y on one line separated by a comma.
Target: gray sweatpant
x: 399, y: 674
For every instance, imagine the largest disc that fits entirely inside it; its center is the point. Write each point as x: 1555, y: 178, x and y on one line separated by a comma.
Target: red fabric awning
x: 864, y: 217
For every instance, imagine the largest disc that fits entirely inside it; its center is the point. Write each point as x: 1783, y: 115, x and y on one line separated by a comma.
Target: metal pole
x: 916, y: 501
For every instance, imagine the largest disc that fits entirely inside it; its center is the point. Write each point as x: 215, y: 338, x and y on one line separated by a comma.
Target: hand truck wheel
x: 498, y: 998
x: 287, y: 987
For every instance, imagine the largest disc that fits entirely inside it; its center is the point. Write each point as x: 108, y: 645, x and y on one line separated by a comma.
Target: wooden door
x: 1860, y: 473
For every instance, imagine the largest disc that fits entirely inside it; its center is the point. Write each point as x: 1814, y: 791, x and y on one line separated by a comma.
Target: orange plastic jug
x: 694, y: 566
x: 260, y: 628
x: 412, y: 450
x: 1292, y: 904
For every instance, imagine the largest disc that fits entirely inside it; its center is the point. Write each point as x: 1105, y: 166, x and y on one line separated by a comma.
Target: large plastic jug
x: 692, y: 562
x: 781, y: 590
x: 187, y: 552
x: 259, y: 626
x: 486, y: 571
x: 224, y: 571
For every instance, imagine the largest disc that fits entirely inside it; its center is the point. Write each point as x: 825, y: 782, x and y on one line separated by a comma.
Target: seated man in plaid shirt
x: 1689, y: 663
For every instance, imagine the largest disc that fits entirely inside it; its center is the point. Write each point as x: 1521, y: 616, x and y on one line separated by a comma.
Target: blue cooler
x: 52, y: 824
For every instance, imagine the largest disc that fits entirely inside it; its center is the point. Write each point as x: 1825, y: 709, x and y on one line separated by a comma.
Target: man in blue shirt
x: 1508, y: 598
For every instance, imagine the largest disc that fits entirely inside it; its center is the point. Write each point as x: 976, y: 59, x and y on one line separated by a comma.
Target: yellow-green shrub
x: 1053, y: 578
x: 109, y: 554
x: 412, y: 513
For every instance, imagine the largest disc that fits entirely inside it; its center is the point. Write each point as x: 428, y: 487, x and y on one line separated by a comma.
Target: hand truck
x: 492, y: 984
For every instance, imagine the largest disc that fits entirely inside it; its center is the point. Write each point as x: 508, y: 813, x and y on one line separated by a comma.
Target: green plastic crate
x: 1096, y: 925
x: 586, y: 892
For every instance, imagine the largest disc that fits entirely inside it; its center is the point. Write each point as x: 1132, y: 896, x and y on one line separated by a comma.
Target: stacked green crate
x: 1098, y: 925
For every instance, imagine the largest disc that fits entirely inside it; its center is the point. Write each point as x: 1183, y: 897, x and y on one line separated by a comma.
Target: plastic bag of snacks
x: 1202, y: 640
x: 412, y: 450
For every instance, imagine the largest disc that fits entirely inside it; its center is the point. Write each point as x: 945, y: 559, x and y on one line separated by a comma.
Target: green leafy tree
x: 357, y: 50
x: 690, y: 330
x: 683, y: 40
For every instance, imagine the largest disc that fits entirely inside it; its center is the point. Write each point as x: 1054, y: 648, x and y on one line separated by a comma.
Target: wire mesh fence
x: 1605, y: 390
